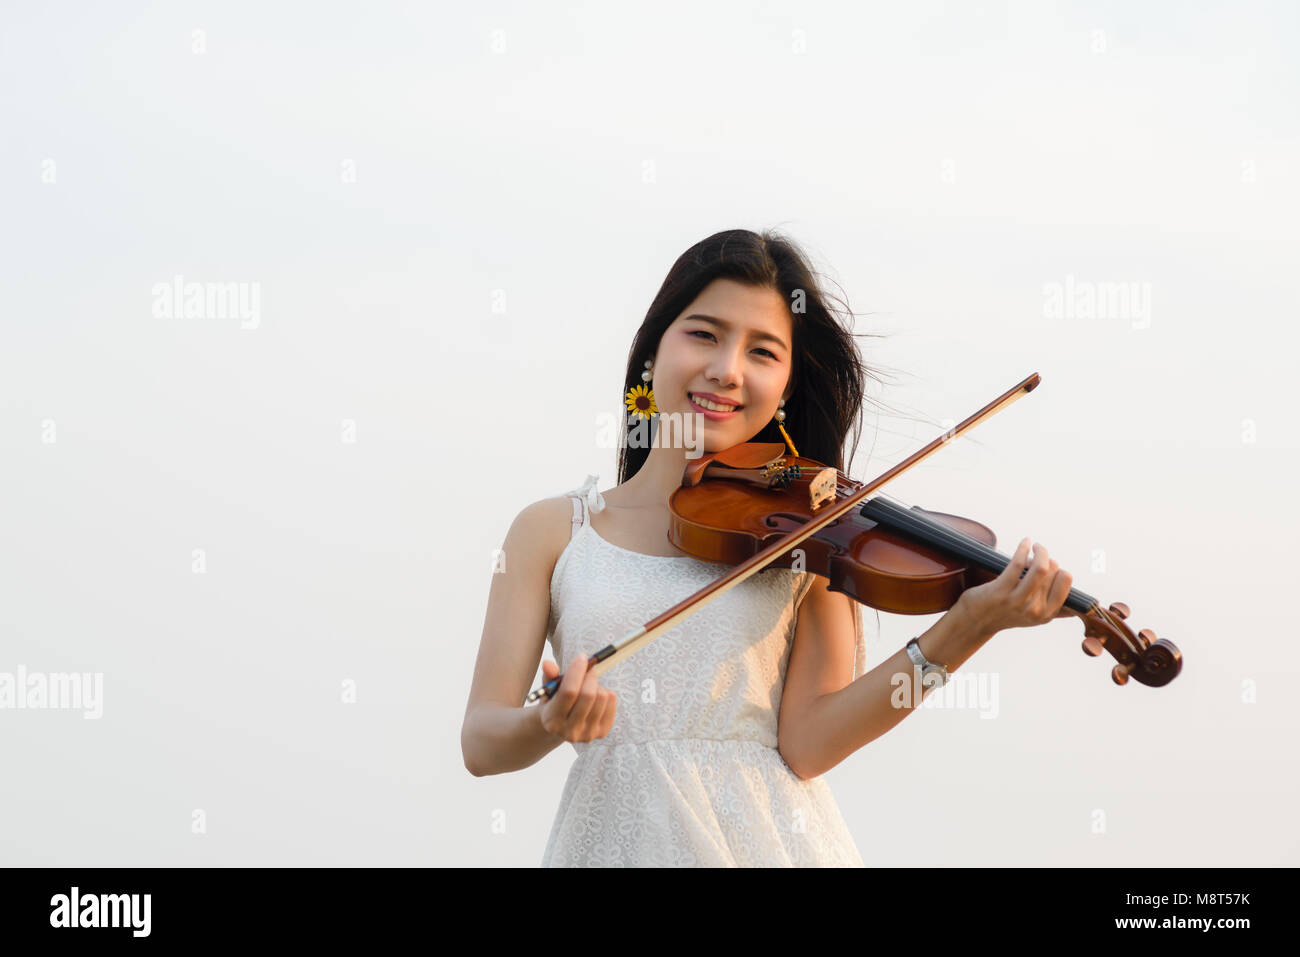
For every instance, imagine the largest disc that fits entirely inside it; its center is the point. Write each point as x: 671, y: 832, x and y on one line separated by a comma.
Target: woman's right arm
x: 499, y: 733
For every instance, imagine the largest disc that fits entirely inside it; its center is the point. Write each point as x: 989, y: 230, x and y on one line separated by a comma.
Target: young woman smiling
x: 706, y: 748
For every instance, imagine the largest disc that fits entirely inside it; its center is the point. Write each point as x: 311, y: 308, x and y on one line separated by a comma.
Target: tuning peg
x: 1120, y: 609
x: 1147, y: 637
x: 1119, y: 674
x: 1092, y: 646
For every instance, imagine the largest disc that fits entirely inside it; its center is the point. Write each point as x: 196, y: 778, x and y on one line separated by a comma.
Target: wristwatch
x: 927, y: 667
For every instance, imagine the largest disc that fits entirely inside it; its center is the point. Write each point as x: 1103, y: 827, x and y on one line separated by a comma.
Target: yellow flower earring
x: 641, y: 399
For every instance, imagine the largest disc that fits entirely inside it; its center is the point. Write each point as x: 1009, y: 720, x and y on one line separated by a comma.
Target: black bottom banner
x: 131, y: 907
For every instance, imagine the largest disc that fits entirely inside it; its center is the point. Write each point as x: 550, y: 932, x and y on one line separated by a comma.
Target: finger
x: 1021, y: 563
x: 1034, y: 576
x: 1015, y: 568
x: 586, y: 700
x: 596, y: 720
x: 1059, y: 593
x: 571, y: 685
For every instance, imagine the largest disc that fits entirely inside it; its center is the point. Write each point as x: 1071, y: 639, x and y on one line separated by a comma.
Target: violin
x: 909, y: 561
x: 752, y: 507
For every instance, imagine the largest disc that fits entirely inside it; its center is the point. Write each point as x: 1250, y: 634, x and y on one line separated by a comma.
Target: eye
x: 702, y: 332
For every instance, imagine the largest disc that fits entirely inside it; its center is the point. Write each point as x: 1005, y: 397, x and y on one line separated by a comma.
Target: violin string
x: 905, y: 515
x: 953, y: 537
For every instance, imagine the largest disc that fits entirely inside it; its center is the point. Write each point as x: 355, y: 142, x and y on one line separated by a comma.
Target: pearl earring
x: 780, y: 418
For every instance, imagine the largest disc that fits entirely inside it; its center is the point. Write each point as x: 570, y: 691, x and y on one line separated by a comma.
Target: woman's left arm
x: 825, y: 715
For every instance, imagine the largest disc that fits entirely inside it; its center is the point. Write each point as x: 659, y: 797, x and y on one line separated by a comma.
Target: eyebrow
x: 726, y: 325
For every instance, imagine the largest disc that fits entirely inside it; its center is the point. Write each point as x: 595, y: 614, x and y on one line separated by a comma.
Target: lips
x: 717, y: 399
x: 710, y: 414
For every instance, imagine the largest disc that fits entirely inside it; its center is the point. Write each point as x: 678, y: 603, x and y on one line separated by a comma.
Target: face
x: 733, y: 342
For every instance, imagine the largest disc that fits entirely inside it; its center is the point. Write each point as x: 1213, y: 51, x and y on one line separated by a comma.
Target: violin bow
x: 635, y: 640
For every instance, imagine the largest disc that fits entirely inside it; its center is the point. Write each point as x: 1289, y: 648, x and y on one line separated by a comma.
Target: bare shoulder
x: 541, y: 530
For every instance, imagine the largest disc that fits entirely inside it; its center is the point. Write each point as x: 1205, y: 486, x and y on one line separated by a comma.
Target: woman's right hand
x: 580, y: 709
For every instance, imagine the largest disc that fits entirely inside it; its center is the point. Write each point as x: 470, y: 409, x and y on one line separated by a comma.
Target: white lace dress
x: 690, y: 774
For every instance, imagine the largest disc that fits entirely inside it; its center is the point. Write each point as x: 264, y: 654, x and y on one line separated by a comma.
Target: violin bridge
x: 821, y: 488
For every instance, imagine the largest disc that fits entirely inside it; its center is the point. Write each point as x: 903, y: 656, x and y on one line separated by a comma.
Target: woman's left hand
x: 1023, y: 595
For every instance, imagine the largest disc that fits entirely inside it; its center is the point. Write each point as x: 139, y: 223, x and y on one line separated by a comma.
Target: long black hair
x: 828, y: 374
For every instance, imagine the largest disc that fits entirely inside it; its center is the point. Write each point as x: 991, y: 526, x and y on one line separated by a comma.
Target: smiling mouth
x: 712, y: 406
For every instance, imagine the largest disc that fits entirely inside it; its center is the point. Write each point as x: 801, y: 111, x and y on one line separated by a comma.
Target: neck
x: 658, y: 477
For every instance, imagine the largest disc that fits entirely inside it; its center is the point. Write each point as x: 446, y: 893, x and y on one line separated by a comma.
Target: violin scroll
x: 1149, y: 660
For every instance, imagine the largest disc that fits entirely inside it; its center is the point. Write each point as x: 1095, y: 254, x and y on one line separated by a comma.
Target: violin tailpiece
x: 778, y: 474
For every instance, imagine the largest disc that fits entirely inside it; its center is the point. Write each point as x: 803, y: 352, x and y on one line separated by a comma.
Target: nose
x: 724, y: 369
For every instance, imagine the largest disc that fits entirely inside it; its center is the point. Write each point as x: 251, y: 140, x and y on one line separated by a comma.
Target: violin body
x: 736, y: 502
x: 728, y: 521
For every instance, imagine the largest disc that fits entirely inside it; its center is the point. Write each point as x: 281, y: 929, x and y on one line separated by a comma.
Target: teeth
x: 712, y: 406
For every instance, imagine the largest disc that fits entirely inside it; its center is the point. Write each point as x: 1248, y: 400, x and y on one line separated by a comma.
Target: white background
x: 943, y: 162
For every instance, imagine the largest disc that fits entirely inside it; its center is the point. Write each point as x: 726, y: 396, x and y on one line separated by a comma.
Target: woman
x: 706, y: 747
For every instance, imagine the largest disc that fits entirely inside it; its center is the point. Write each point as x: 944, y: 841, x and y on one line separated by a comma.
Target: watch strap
x: 927, y: 667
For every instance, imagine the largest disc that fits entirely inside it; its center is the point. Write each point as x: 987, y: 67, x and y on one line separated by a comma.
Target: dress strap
x: 577, y: 515
x: 586, y: 500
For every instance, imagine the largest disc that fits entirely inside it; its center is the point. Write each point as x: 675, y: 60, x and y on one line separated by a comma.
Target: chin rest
x: 747, y: 455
